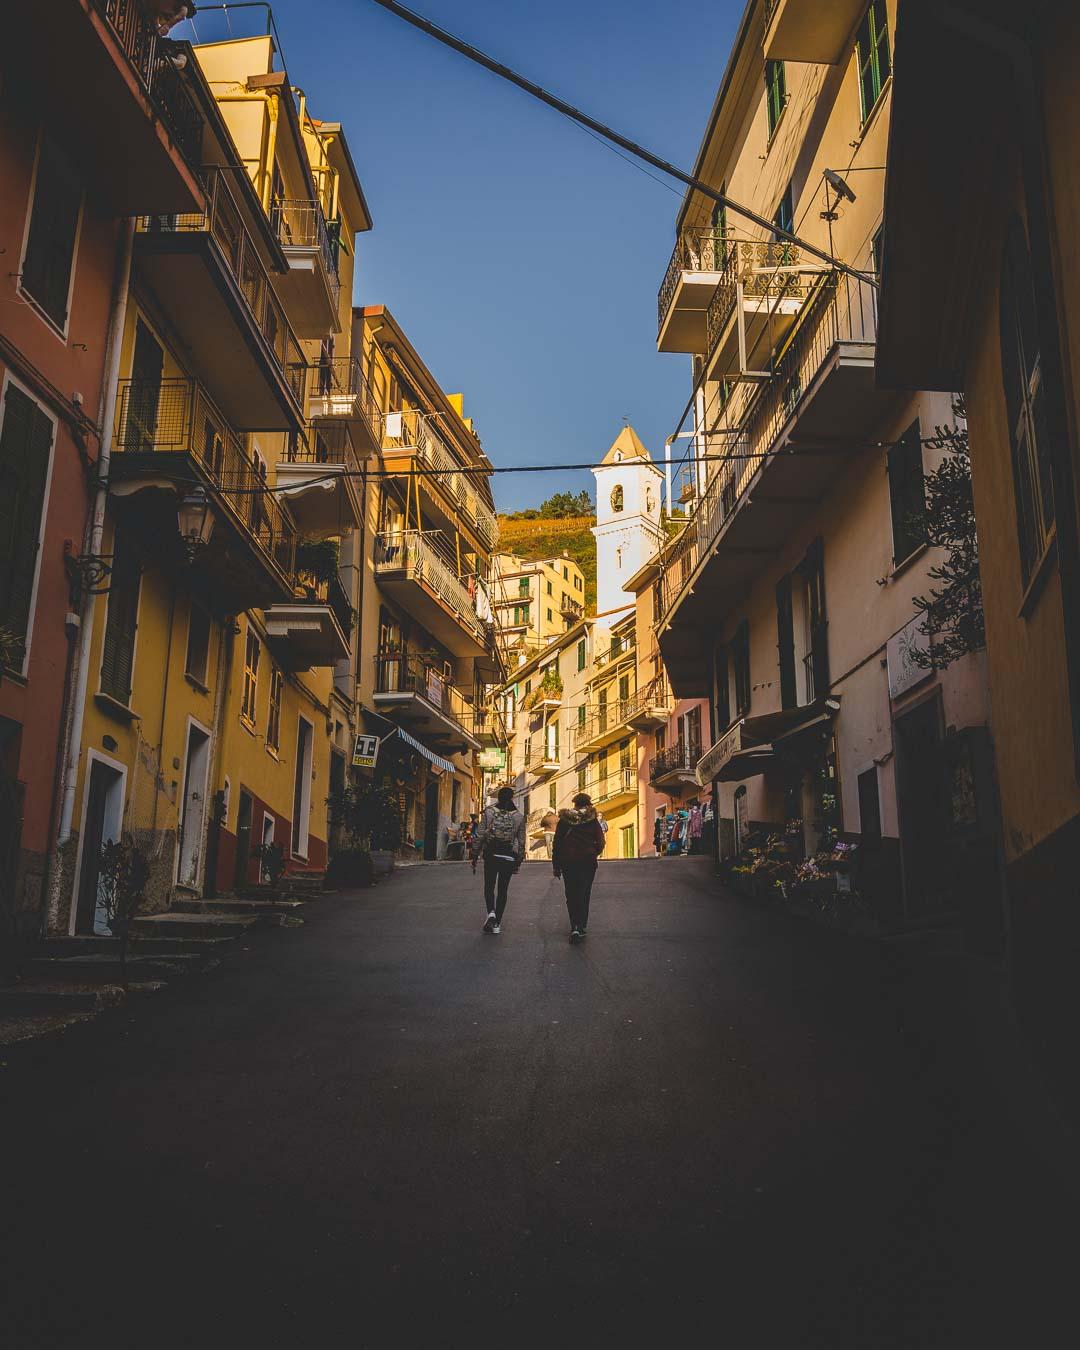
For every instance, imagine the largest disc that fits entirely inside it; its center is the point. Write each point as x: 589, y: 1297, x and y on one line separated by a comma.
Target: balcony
x: 206, y: 274
x: 312, y: 289
x: 423, y: 699
x: 822, y: 400
x: 533, y: 823
x: 488, y: 725
x: 313, y: 628
x: 615, y: 652
x: 412, y: 566
x: 817, y: 31
x: 170, y: 434
x: 320, y: 480
x: 605, y: 726
x: 692, y: 276
x: 543, y: 758
x: 763, y: 286
x: 618, y: 789
x: 651, y: 706
x: 571, y: 610
x: 672, y: 769
x: 341, y: 396
x: 409, y: 436
x: 126, y: 110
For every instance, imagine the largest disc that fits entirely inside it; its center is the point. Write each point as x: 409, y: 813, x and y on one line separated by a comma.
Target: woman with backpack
x: 579, y: 841
x: 501, y: 838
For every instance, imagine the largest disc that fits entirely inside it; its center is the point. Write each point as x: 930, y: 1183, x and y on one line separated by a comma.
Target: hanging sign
x: 725, y: 749
x: 492, y: 759
x: 365, y: 752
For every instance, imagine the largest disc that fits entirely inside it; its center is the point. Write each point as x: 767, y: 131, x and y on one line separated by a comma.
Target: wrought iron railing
x: 322, y: 443
x: 149, y: 57
x: 682, y: 757
x: 339, y: 392
x: 695, y: 251
x: 222, y: 221
x: 300, y: 224
x: 841, y: 309
x: 655, y: 694
x: 412, y: 432
x: 616, y: 783
x: 489, y: 721
x: 571, y: 609
x: 615, y: 651
x: 414, y: 552
x: 609, y: 718
x: 808, y: 676
x: 767, y: 270
x: 543, y: 755
x: 407, y: 673
x: 179, y: 416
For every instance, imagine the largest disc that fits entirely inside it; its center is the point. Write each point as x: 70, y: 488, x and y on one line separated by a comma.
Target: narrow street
x: 385, y: 1127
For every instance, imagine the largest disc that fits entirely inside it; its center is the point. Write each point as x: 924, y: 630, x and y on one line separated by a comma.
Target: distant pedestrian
x: 549, y: 823
x: 579, y: 841
x: 472, y: 843
x: 501, y: 838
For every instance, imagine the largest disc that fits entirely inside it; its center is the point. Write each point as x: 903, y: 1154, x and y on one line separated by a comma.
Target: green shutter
x: 25, y: 443
x: 118, y: 651
x: 785, y: 643
x: 723, y: 696
x: 54, y: 220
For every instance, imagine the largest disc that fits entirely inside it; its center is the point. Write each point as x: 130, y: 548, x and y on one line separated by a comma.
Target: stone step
x: 29, y: 998
x: 106, y: 968
x: 177, y: 924
x: 259, y: 908
x: 140, y: 946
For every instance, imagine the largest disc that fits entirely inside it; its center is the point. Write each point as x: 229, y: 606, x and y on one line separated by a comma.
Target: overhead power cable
x: 608, y: 133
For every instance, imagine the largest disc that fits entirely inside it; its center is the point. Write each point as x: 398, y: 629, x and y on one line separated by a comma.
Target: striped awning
x: 436, y: 761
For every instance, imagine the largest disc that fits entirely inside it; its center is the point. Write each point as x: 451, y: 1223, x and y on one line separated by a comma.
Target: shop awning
x: 436, y: 761
x: 754, y: 744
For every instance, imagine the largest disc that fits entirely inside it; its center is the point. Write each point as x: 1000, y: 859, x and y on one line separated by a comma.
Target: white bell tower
x: 629, y: 488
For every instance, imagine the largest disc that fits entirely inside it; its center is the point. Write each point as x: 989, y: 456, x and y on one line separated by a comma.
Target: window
x: 251, y: 676
x: 775, y: 92
x: 566, y: 574
x: 625, y: 760
x: 523, y: 586
x: 624, y: 687
x: 877, y: 249
x: 581, y: 655
x: 617, y: 497
x: 54, y: 225
x: 521, y: 615
x: 872, y: 53
x: 549, y: 591
x: 740, y: 657
x: 907, y: 494
x: 528, y: 688
x: 198, y: 644
x: 549, y: 618
x: 785, y: 643
x: 578, y: 584
x: 273, y: 717
x: 816, y: 660
x: 455, y: 799
x: 25, y: 447
x: 118, y: 649
x: 660, y: 739
x: 692, y: 723
x: 1021, y: 366
x: 869, y: 805
x: 581, y: 715
x: 719, y: 232
x: 581, y: 779
x: 553, y: 795
x: 785, y: 211
x: 723, y: 691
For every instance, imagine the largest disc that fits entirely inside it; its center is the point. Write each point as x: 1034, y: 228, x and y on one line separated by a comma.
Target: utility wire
x: 583, y: 119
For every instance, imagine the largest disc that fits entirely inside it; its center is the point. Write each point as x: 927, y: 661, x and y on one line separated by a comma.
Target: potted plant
x: 368, y: 815
x: 550, y: 687
x: 319, y: 559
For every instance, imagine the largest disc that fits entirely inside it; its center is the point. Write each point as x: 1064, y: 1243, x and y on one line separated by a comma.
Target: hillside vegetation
x: 548, y: 537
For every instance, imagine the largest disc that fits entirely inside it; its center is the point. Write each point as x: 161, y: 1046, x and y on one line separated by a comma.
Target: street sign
x: 365, y: 752
x: 492, y: 759
x: 725, y: 749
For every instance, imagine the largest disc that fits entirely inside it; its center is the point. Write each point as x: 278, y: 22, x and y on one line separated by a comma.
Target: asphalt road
x: 386, y: 1129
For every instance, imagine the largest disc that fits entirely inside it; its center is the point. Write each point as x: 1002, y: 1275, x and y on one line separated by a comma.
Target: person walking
x: 548, y: 823
x: 579, y: 841
x: 501, y: 840
x: 472, y: 846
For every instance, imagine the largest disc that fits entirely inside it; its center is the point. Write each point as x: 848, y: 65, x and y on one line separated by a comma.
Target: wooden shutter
x: 741, y: 652
x: 813, y: 569
x: 25, y: 443
x: 785, y: 643
x: 118, y: 651
x: 723, y: 696
x: 54, y: 220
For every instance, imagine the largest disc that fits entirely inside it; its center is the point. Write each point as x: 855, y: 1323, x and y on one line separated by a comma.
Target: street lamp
x: 196, y: 521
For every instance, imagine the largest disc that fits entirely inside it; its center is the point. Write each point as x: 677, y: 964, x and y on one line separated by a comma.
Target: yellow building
x: 213, y: 723
x: 426, y: 624
x: 535, y: 600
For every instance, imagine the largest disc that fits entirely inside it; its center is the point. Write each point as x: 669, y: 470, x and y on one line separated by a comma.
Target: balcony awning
x: 755, y: 744
x: 436, y: 761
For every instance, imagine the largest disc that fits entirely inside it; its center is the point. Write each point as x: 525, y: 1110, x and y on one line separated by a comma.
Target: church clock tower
x: 627, y: 530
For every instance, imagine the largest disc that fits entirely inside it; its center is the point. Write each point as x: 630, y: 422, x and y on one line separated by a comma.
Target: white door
x: 193, y: 813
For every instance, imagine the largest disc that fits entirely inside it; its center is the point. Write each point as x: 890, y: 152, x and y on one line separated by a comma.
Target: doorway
x: 431, y: 820
x: 243, y: 840
x: 628, y: 840
x: 144, y: 391
x: 103, y: 812
x: 193, y: 811
x: 920, y: 790
x: 302, y: 788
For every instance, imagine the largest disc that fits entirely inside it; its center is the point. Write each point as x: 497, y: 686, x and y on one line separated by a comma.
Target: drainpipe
x: 108, y: 417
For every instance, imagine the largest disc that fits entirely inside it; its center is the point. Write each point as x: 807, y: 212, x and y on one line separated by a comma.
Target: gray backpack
x: 500, y: 837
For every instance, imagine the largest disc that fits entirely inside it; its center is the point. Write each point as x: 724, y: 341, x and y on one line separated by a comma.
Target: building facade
x: 788, y: 600
x: 535, y: 600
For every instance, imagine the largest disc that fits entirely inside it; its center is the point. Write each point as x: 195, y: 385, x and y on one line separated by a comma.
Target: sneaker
x: 576, y: 935
x: 498, y: 927
x: 490, y: 925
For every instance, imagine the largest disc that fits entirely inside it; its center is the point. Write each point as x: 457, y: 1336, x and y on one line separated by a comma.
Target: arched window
x: 1025, y: 399
x: 617, y: 497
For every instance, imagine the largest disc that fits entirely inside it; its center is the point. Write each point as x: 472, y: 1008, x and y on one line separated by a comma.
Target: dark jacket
x: 578, y: 839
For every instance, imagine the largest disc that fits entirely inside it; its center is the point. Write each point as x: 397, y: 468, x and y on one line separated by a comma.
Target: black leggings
x: 577, y: 882
x: 495, y: 870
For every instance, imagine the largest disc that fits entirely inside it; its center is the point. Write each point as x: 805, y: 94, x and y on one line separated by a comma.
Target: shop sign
x: 435, y: 688
x: 492, y: 759
x: 905, y: 673
x: 365, y: 752
x: 725, y: 749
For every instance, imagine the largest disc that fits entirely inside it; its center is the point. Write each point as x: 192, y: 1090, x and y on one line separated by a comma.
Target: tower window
x: 617, y: 497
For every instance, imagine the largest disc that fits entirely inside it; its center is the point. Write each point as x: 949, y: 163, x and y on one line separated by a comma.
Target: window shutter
x: 119, y: 645
x: 785, y: 643
x: 25, y: 442
x: 907, y: 497
x: 723, y: 696
x: 50, y: 246
x: 814, y: 571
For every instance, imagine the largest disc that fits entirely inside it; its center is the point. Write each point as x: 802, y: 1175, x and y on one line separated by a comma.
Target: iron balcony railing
x: 179, y: 416
x: 223, y: 223
x: 767, y: 270
x: 340, y: 391
x: 411, y: 431
x: 608, y: 718
x: 655, y: 694
x: 330, y: 593
x: 614, y: 652
x: 841, y: 309
x: 695, y: 251
x: 322, y: 443
x: 543, y: 754
x: 682, y: 757
x: 416, y: 553
x: 571, y: 609
x: 301, y: 224
x: 489, y: 721
x: 615, y: 783
x: 402, y: 672
x: 149, y: 58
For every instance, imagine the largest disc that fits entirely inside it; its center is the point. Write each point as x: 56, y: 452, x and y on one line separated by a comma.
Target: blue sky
x: 522, y: 257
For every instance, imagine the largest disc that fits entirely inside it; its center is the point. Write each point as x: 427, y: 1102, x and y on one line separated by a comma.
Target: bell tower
x: 627, y: 530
